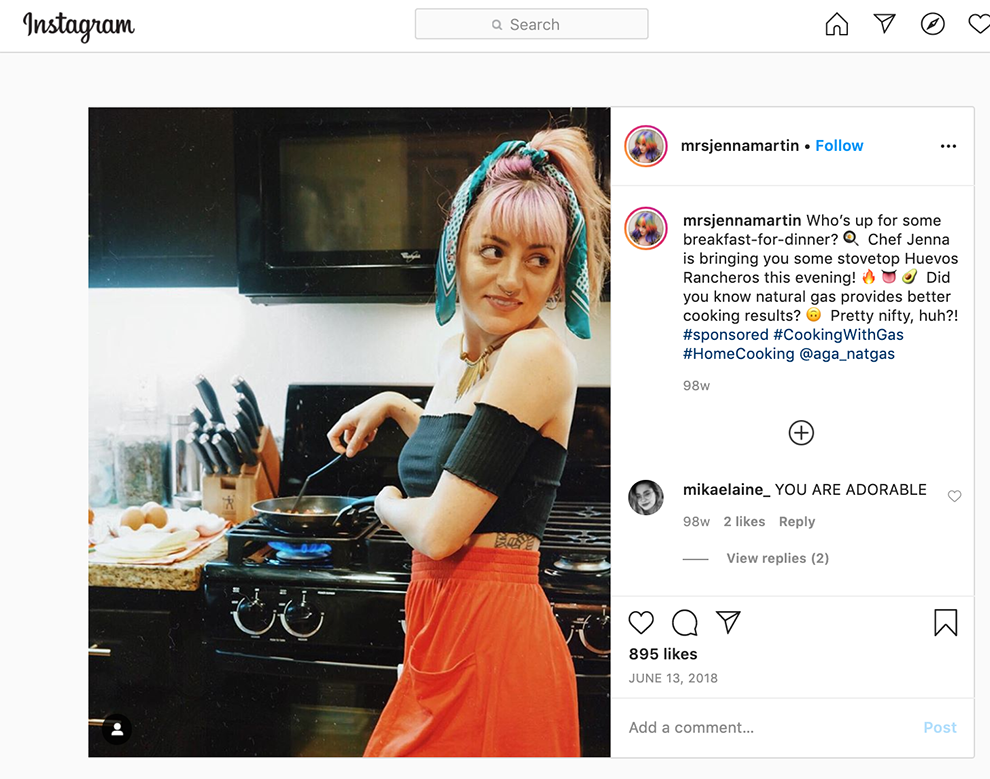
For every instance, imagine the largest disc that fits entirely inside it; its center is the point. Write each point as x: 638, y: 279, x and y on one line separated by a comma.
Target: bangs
x: 527, y: 211
x: 647, y: 222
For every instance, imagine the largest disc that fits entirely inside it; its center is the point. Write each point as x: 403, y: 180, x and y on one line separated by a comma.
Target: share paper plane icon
x: 729, y: 618
x: 885, y: 20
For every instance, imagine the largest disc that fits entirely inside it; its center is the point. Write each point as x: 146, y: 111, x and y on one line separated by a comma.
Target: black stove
x: 333, y: 604
x: 255, y: 593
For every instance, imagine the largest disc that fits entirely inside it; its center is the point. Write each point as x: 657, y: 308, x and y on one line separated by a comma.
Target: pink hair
x: 518, y: 200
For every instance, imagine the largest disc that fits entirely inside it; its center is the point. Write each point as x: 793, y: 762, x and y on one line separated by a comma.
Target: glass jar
x: 141, y: 458
x: 184, y: 467
x: 101, y: 482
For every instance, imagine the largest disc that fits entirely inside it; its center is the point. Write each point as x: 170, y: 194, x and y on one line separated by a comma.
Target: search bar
x: 532, y: 23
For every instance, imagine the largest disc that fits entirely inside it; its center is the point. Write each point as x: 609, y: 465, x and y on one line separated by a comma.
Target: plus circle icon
x: 801, y: 432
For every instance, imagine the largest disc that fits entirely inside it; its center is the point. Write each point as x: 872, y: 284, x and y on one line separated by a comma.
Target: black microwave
x: 347, y: 204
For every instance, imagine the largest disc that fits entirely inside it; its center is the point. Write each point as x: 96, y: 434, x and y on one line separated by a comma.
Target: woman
x: 486, y: 670
x: 645, y: 230
x: 645, y: 497
x: 645, y: 149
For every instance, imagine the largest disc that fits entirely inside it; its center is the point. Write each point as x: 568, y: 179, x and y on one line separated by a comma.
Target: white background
x: 873, y: 423
x: 44, y: 203
x: 388, y: 25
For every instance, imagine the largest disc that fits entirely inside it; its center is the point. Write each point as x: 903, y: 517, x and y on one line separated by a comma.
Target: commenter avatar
x: 645, y: 497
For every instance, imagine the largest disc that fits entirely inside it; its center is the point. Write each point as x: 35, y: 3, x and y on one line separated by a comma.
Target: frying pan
x: 324, y: 511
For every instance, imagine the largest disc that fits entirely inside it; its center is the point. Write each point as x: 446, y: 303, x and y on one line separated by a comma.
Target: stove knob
x: 596, y: 635
x: 301, y: 619
x: 253, y: 616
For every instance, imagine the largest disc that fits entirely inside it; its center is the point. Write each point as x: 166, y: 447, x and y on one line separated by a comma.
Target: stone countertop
x: 185, y: 575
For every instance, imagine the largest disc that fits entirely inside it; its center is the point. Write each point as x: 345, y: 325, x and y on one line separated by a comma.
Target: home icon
x: 837, y: 25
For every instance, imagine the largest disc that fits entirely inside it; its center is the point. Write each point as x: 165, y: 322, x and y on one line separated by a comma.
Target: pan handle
x: 369, y: 501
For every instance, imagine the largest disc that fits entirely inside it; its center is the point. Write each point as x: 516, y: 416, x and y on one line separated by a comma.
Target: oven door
x: 279, y: 706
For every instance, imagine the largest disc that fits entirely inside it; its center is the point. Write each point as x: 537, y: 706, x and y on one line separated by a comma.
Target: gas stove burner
x: 300, y: 553
x: 587, y: 537
x: 582, y: 563
x: 590, y: 511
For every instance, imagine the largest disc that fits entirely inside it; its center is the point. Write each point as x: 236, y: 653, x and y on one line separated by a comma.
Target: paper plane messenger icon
x: 729, y: 618
x: 885, y: 20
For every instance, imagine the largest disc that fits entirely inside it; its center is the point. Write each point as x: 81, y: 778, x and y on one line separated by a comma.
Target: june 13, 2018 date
x: 652, y: 653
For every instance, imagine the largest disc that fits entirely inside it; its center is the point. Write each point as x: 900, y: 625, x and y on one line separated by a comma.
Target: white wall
x: 171, y: 335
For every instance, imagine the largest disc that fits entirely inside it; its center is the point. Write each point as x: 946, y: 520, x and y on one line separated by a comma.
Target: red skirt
x: 486, y: 672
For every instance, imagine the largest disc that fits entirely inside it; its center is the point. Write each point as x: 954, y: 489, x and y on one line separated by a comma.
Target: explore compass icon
x: 933, y: 23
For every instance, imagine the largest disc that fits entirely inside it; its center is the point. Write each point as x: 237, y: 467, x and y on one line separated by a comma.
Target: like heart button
x: 954, y: 495
x: 980, y: 22
x: 641, y: 621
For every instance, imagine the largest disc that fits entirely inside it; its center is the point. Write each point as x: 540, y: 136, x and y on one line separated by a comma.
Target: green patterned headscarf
x: 577, y: 307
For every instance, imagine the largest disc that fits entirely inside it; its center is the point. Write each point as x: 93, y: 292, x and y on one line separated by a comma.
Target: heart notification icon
x: 980, y: 22
x: 641, y: 621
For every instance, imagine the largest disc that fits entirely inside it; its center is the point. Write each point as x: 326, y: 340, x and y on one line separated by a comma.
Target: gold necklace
x: 476, y: 369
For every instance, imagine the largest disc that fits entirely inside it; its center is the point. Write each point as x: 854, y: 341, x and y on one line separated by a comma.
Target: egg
x: 132, y: 517
x: 155, y: 514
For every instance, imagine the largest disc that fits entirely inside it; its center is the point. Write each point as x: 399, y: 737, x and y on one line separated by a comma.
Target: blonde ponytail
x: 570, y: 152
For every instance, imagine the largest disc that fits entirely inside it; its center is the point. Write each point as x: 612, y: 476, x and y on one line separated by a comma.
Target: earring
x: 554, y: 300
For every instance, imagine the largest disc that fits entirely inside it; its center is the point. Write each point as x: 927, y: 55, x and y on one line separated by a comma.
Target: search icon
x: 496, y: 24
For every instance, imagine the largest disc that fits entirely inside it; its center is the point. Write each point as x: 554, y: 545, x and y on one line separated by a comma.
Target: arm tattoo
x: 515, y: 541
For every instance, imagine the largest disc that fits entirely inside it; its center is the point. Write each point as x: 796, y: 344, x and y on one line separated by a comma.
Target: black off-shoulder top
x: 494, y: 450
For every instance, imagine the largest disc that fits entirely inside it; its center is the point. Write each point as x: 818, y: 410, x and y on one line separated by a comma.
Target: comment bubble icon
x: 685, y: 623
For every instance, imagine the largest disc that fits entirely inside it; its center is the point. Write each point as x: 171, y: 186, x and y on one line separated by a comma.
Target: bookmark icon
x: 947, y: 619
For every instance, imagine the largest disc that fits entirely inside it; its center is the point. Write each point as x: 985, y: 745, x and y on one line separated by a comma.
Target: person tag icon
x: 116, y: 728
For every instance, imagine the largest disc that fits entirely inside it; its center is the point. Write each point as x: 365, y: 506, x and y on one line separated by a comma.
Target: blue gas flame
x: 303, y: 548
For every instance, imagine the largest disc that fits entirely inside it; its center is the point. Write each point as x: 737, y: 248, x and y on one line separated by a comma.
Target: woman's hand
x: 387, y: 495
x: 358, y: 427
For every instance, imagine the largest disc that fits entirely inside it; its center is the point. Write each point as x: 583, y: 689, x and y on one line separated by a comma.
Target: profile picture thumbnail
x: 646, y: 228
x: 646, y: 146
x: 645, y: 497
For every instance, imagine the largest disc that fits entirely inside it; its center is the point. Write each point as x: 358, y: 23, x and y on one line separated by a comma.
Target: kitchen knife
x: 229, y: 456
x: 209, y: 398
x: 244, y: 445
x: 201, y: 454
x: 245, y: 422
x: 249, y: 410
x: 212, y: 453
x: 196, y: 429
x: 227, y: 436
x: 198, y: 416
x: 240, y: 385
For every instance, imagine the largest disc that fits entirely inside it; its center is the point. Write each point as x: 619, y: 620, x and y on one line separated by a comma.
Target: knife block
x: 231, y: 497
